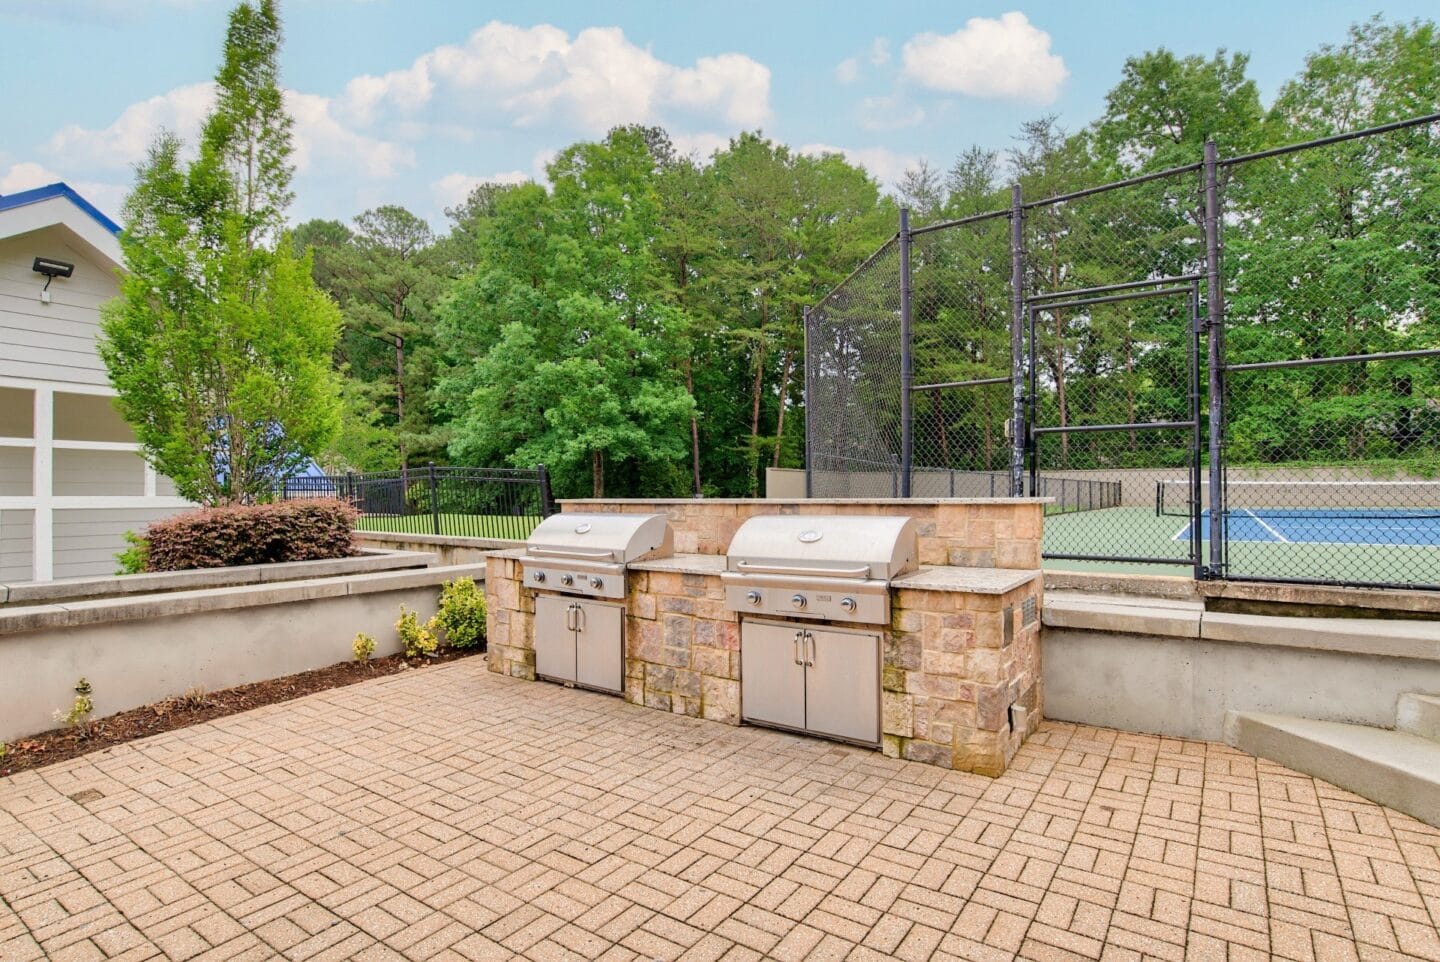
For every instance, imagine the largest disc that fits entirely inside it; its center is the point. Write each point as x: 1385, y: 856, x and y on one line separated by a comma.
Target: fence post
x: 1215, y: 347
x: 350, y: 487
x: 1018, y: 427
x: 434, y: 497
x: 907, y: 426
x: 809, y: 463
x: 547, y: 503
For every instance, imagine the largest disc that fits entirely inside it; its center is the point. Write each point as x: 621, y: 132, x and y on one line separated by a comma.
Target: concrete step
x: 1419, y: 715
x: 1394, y: 768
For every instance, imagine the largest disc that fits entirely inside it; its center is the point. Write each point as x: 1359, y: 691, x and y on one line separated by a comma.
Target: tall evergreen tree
x: 219, y: 345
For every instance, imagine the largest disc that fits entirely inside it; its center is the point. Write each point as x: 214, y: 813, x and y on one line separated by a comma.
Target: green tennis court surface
x: 1137, y: 531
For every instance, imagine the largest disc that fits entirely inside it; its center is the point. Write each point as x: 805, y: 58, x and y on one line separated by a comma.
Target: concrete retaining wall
x: 449, y: 550
x: 140, y: 649
x: 1176, y: 670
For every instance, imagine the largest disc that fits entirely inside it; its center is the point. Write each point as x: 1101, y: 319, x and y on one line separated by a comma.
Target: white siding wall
x: 55, y: 341
x: 16, y: 530
x: 86, y: 540
x: 71, y: 478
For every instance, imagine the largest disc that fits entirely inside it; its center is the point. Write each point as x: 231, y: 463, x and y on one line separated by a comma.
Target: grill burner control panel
x: 857, y: 602
x: 574, y: 581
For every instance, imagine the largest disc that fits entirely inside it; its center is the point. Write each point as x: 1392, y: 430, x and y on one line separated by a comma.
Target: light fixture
x: 52, y: 269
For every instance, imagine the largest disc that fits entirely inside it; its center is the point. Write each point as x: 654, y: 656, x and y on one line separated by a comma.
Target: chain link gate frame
x: 844, y: 359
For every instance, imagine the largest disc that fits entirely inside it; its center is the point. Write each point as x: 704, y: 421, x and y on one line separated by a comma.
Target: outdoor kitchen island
x: 958, y: 658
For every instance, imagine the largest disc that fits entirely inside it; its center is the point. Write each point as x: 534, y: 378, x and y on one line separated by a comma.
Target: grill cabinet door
x: 600, y: 646
x: 554, y: 639
x: 772, y: 681
x: 842, y: 684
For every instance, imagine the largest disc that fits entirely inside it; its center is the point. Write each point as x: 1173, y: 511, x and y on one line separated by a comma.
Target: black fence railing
x: 465, y: 502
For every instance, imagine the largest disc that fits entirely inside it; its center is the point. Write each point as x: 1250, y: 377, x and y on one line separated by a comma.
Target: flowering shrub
x: 363, y: 646
x: 308, y: 530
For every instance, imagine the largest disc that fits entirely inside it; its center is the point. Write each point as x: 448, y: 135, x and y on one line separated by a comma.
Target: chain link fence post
x: 907, y: 372
x: 1018, y: 382
x: 1215, y: 360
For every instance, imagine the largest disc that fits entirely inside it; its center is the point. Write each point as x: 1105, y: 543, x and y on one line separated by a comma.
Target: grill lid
x: 617, y: 538
x: 837, y: 546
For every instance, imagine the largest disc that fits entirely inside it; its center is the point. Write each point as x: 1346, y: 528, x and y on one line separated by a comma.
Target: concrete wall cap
x: 169, y: 604
x: 1361, y: 636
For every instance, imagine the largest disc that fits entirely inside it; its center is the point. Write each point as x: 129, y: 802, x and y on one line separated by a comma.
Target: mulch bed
x: 50, y: 747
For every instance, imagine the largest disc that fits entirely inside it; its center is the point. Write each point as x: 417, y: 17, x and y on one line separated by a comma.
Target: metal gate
x: 1168, y: 424
x: 1271, y: 415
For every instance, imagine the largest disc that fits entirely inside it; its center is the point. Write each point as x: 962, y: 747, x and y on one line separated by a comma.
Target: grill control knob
x: 848, y: 605
x: 753, y: 597
x: 596, y: 582
x: 540, y: 576
x: 567, y: 579
x: 798, y: 602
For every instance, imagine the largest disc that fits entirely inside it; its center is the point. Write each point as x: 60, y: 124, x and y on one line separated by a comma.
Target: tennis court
x: 1399, y: 526
x: 1365, y: 531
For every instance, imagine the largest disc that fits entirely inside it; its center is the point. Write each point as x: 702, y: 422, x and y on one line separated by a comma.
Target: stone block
x: 905, y: 619
x: 896, y: 679
x: 929, y: 753
x: 897, y: 714
x: 954, y: 664
x: 674, y: 604
x: 710, y: 661
x: 643, y: 605
x: 720, y: 700
x: 892, y: 746
x: 984, y: 666
x: 992, y: 703
x: 679, y: 630
x: 646, y: 640
x: 656, y: 699
x: 901, y: 651
x: 676, y: 656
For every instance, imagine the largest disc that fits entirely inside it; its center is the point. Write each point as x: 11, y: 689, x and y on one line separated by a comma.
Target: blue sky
x: 413, y: 101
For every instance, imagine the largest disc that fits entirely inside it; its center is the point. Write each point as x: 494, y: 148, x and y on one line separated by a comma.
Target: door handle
x: 579, y: 618
x: 570, y: 618
x: 811, y: 639
x: 799, y: 641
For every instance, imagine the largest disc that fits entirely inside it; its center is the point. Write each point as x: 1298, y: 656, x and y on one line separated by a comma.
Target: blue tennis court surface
x: 1328, y: 526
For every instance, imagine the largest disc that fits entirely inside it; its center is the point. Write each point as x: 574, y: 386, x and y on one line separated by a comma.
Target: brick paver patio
x: 454, y: 814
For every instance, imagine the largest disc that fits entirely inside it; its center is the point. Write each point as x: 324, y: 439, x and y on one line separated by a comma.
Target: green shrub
x: 363, y: 646
x: 78, y: 717
x: 462, y: 613
x: 134, y: 559
x: 418, y: 639
x: 312, y: 529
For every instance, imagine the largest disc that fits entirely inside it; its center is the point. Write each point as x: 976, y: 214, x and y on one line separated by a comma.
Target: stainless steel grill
x: 581, y: 641
x: 834, y: 567
x: 586, y: 554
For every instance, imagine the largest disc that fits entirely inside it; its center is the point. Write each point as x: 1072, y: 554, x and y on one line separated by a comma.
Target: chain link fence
x: 1230, y: 367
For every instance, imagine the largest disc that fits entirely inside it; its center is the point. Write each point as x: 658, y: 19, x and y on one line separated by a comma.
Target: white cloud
x: 699, y: 146
x: 879, y: 52
x: 1005, y: 58
x: 26, y: 175
x: 452, y: 189
x: 884, y: 164
x: 847, y: 71
x: 318, y: 135
x: 888, y: 113
x: 534, y: 75
x: 125, y: 141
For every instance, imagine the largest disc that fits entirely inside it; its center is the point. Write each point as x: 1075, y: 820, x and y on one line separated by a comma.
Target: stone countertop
x: 685, y: 564
x: 980, y: 581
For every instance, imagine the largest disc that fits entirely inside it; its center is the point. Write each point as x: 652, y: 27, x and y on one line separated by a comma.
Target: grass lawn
x: 453, y: 525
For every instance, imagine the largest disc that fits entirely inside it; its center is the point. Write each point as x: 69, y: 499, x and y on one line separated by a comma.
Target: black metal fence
x: 463, y: 502
x: 1228, y: 367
